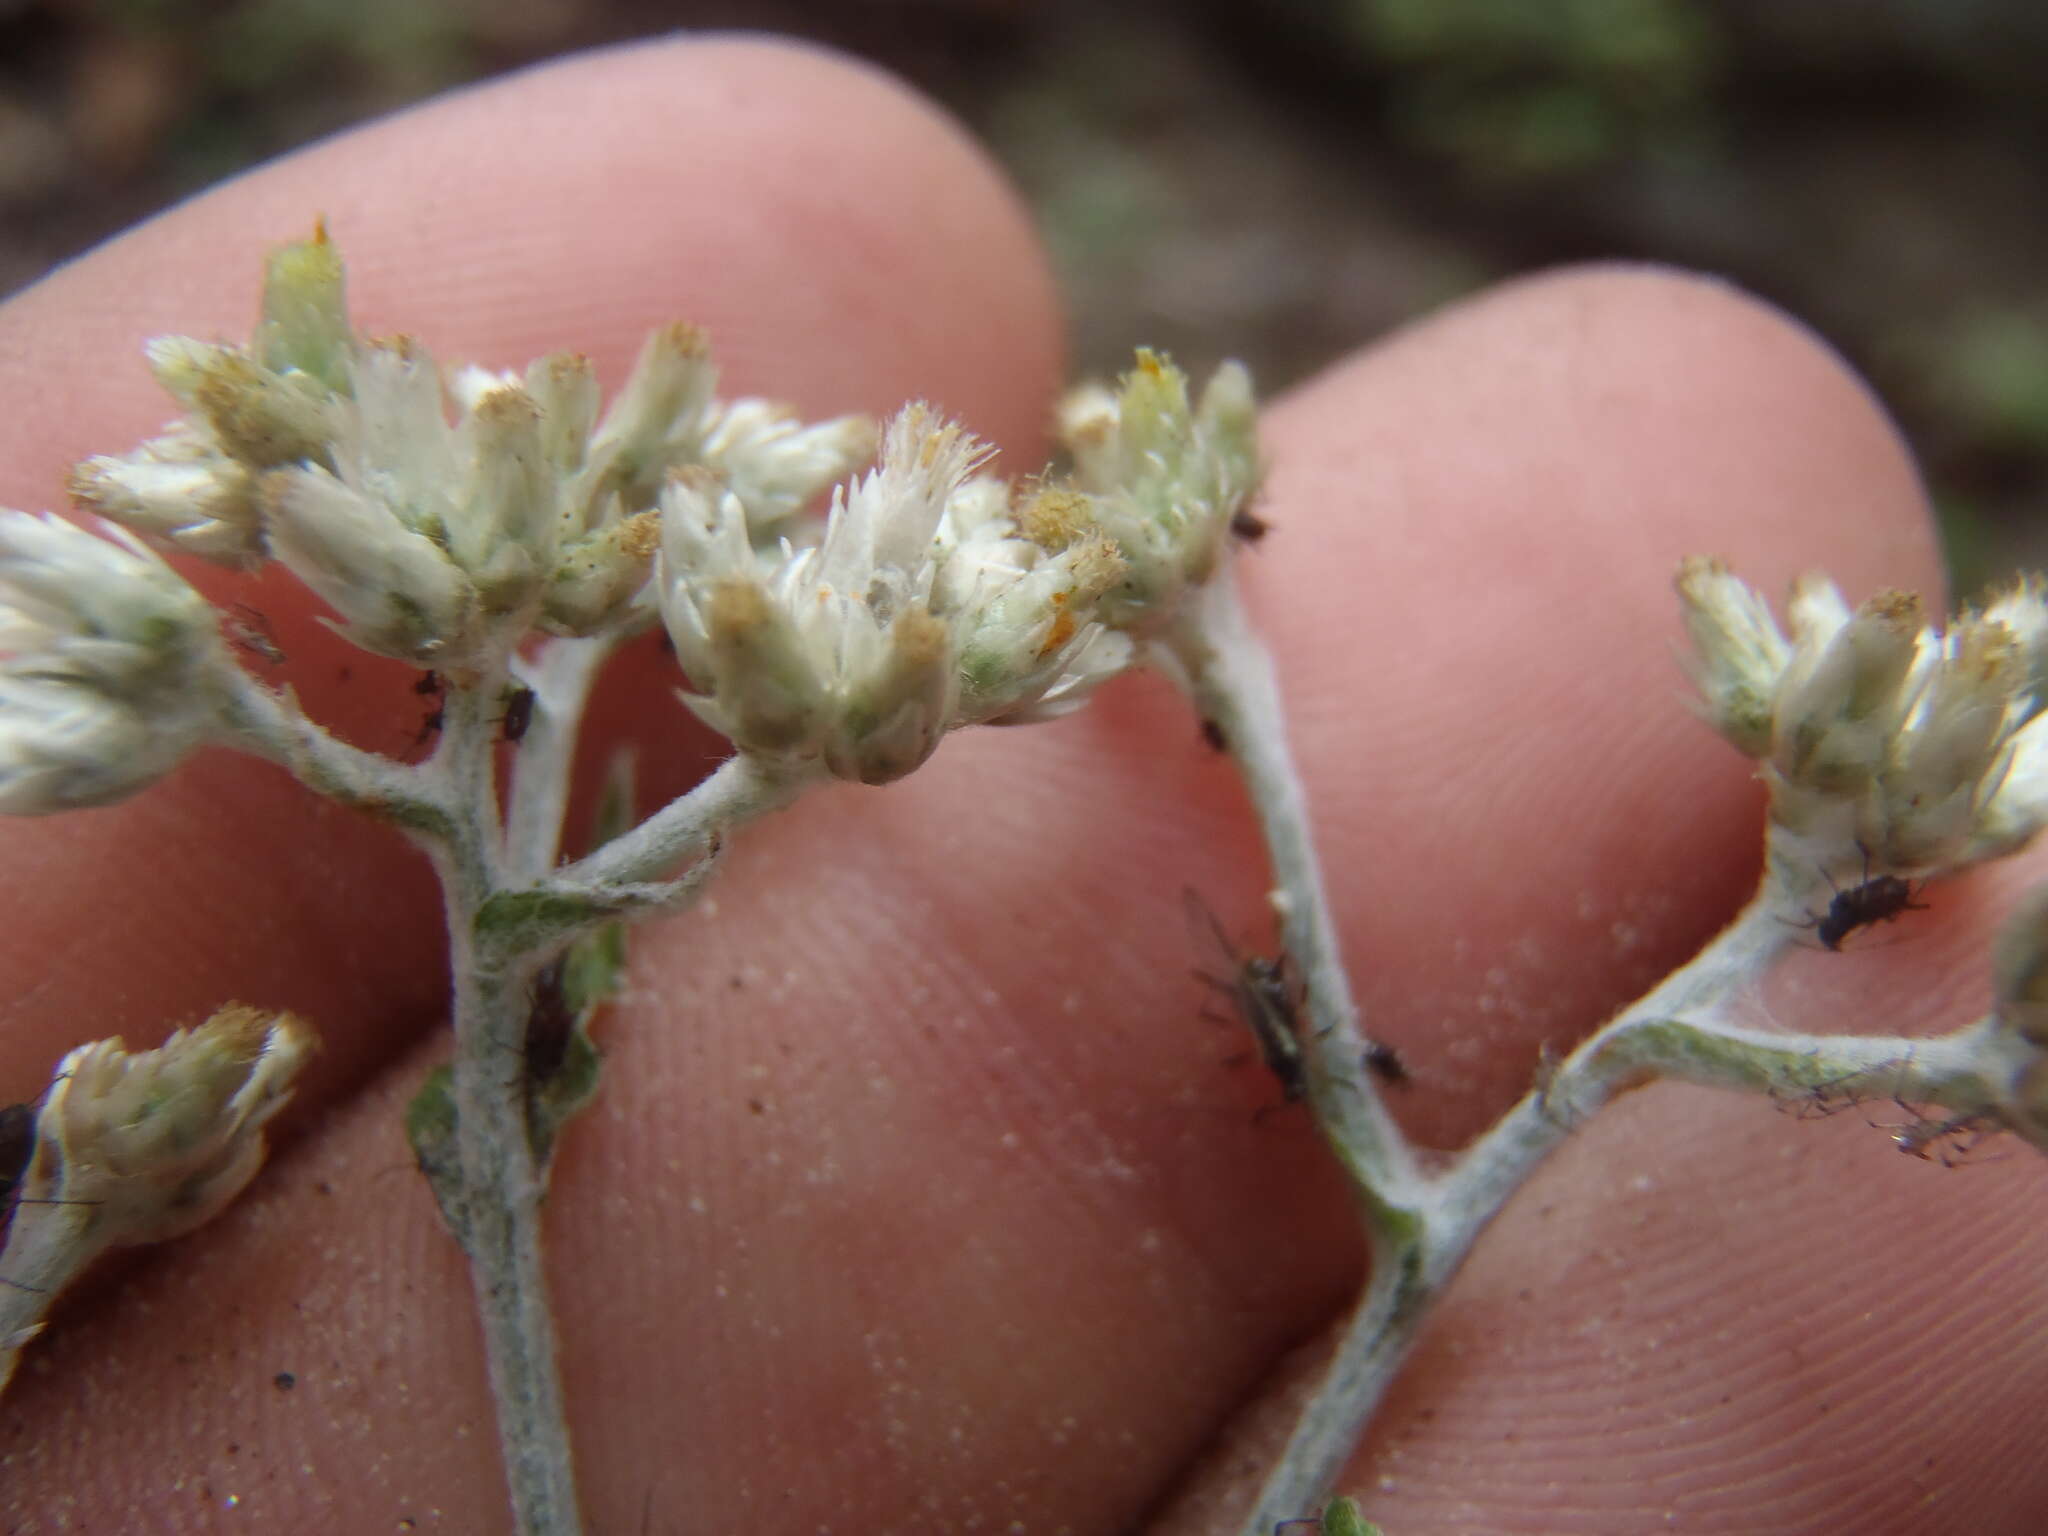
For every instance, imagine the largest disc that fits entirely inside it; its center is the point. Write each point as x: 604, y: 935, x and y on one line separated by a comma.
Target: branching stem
x: 1423, y: 1224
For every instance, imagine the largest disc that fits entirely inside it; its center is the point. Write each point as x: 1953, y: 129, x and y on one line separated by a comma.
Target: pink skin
x: 917, y: 1194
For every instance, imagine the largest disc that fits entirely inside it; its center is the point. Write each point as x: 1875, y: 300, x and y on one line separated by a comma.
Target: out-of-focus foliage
x: 1509, y: 89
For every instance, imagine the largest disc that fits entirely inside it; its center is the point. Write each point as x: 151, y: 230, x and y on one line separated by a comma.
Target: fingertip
x: 844, y: 242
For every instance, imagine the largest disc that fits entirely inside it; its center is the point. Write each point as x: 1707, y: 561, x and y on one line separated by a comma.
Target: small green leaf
x: 1343, y: 1517
x: 430, y: 1127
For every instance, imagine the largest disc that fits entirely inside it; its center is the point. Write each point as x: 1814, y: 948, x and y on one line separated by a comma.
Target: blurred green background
x: 1277, y: 181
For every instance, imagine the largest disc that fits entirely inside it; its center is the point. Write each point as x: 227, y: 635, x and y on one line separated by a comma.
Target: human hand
x: 916, y: 1196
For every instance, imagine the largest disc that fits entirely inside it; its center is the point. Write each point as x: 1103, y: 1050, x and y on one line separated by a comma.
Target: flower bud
x: 1740, y: 657
x: 141, y: 1148
x: 158, y: 1142
x: 1166, y: 478
x: 305, y: 326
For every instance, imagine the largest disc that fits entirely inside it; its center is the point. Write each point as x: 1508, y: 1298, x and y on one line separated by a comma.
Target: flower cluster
x: 938, y: 597
x: 103, y: 651
x: 1880, y: 737
x: 445, y: 517
x: 442, y: 541
x: 921, y: 608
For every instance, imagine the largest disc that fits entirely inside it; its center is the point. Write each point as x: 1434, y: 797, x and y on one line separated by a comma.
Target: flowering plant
x: 503, y: 535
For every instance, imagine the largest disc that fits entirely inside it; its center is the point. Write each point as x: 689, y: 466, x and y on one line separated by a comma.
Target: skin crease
x: 917, y: 1195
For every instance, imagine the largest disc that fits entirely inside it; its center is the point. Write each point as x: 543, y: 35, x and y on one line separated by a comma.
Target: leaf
x: 430, y: 1128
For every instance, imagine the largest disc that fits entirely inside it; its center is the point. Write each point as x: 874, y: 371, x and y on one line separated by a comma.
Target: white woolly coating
x: 102, y: 642
x: 919, y: 609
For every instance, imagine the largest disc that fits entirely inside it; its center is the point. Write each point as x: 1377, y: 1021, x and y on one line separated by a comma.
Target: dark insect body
x: 1248, y: 525
x: 1385, y: 1063
x: 430, y: 686
x: 1266, y: 997
x: 1878, y: 900
x: 1212, y: 734
x: 518, y: 716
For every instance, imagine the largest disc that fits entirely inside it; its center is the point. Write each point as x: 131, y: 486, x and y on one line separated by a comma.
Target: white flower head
x: 103, y: 651
x: 1032, y: 583
x: 1167, y: 477
x: 1884, y: 741
x: 921, y: 608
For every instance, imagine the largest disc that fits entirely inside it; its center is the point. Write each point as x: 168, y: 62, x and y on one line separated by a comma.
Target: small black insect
x: 1212, y: 733
x: 518, y: 715
x: 1385, y: 1063
x: 1248, y: 525
x: 1874, y: 901
x: 1267, y: 997
x: 1878, y: 899
x: 430, y: 686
